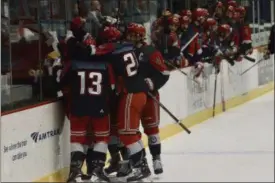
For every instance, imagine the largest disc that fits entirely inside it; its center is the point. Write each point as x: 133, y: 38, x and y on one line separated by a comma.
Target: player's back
x: 126, y: 66
x: 90, y: 88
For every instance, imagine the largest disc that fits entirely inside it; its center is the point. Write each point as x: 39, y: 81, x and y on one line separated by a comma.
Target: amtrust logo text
x: 37, y: 136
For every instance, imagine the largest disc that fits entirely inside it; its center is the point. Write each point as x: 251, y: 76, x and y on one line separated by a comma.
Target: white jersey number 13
x: 95, y: 80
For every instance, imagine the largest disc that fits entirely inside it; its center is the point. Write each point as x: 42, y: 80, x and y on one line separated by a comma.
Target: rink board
x: 37, y: 140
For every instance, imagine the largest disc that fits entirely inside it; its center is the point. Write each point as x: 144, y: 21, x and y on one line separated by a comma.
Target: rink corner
x: 173, y: 129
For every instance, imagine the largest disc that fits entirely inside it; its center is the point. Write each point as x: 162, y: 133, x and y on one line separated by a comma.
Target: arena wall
x: 35, y: 142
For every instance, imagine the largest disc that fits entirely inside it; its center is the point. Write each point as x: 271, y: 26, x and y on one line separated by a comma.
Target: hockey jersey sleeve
x: 161, y: 77
x: 157, y: 61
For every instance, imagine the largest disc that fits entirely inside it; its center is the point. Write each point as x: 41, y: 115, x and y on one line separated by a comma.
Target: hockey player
x: 218, y: 13
x: 199, y: 17
x: 229, y: 13
x: 194, y: 52
x: 162, y: 35
x: 87, y: 81
x: 155, y: 71
x: 209, y: 35
x: 78, y: 42
x: 132, y: 100
x: 244, y: 32
x: 173, y: 39
x: 227, y: 43
x: 187, y: 13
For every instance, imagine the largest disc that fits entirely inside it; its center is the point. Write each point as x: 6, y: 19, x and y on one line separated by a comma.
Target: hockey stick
x: 249, y: 58
x: 251, y: 67
x: 222, y: 88
x: 181, y: 50
x: 179, y: 69
x: 215, y: 90
x: 187, y: 44
x: 170, y: 114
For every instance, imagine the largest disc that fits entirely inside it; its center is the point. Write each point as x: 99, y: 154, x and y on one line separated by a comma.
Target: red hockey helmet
x: 219, y: 9
x: 199, y: 15
x: 206, y: 12
x: 140, y: 32
x: 131, y: 27
x: 230, y: 9
x: 130, y: 31
x: 110, y: 34
x: 186, y: 13
x: 77, y: 23
x: 242, y: 11
x: 135, y: 32
x: 224, y: 30
x: 232, y: 3
x: 184, y: 22
x: 210, y: 23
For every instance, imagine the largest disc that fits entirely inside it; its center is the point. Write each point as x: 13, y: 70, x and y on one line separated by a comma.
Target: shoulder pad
x: 77, y: 64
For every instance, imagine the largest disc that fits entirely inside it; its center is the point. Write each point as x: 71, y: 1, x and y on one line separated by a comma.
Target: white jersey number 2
x: 95, y: 80
x: 131, y: 65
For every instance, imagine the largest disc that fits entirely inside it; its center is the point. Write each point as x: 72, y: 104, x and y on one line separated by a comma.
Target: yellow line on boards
x: 173, y: 129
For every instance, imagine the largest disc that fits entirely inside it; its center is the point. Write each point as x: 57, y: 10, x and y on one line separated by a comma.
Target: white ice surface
x: 237, y: 145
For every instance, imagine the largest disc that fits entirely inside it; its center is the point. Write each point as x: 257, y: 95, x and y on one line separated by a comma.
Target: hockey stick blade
x: 170, y: 114
x: 245, y: 71
x: 249, y: 58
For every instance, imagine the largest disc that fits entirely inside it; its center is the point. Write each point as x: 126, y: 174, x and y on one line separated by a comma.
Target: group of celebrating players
x: 110, y: 85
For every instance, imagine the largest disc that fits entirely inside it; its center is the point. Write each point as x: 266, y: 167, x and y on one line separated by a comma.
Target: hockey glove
x: 266, y: 55
x: 198, y: 69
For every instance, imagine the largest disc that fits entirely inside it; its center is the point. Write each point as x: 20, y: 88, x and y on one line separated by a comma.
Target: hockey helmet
x: 184, y: 22
x: 174, y: 23
x: 186, y: 13
x: 110, y: 34
x: 140, y: 32
x: 224, y: 30
x: 230, y: 11
x: 210, y: 24
x: 232, y: 3
x: 219, y: 8
x: 77, y: 23
x: 200, y: 15
x: 242, y: 11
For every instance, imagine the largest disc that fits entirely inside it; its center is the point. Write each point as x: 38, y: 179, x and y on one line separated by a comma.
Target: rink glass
x: 24, y: 79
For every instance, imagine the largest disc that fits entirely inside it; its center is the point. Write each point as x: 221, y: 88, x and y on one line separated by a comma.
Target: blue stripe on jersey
x: 76, y: 64
x: 126, y: 47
